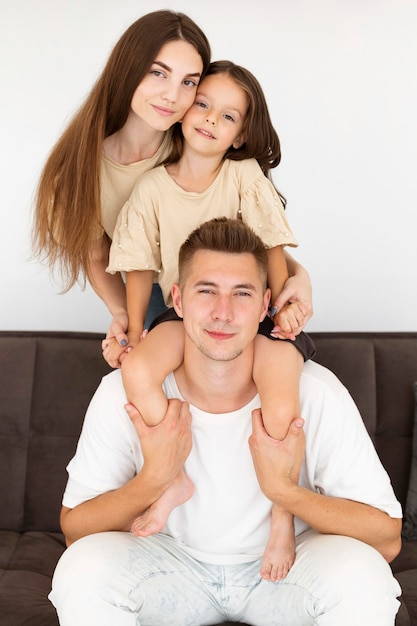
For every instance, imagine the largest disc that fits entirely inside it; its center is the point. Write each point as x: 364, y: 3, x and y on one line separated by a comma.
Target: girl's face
x: 216, y: 120
x: 170, y: 86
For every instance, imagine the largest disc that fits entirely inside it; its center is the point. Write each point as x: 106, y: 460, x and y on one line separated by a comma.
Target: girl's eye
x: 201, y: 104
x: 228, y: 117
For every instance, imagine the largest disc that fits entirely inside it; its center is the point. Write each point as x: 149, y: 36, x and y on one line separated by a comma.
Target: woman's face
x: 169, y: 87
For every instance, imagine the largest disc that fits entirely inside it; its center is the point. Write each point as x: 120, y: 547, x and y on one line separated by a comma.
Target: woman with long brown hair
x: 148, y: 83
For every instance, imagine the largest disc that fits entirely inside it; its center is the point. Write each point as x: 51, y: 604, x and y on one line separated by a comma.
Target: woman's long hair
x: 67, y: 209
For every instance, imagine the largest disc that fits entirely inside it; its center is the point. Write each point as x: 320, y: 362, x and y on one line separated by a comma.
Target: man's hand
x: 165, y: 447
x: 276, y: 461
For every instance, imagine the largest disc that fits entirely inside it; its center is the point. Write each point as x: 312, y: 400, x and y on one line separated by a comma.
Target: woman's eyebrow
x: 169, y: 69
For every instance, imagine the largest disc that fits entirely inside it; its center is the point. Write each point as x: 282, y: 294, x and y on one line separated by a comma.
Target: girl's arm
x: 297, y: 289
x: 138, y: 295
x: 277, y: 271
x: 289, y: 317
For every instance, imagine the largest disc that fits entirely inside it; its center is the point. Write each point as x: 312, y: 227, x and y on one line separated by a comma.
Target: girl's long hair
x: 67, y: 209
x: 262, y: 141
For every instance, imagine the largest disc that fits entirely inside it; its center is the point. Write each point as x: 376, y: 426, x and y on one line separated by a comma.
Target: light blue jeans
x: 116, y: 579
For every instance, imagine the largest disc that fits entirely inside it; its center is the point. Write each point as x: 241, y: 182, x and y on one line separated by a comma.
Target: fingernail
x: 123, y: 342
x: 274, y: 311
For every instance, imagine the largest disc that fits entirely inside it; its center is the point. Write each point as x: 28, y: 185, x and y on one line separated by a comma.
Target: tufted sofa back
x: 47, y: 380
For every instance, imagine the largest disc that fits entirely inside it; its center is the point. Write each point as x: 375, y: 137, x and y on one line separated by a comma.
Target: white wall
x: 341, y: 80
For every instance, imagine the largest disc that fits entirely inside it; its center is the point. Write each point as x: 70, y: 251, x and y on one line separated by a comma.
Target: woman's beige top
x: 159, y: 216
x: 117, y: 182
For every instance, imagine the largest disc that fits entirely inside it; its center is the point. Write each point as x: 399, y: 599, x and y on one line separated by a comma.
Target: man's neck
x: 216, y: 386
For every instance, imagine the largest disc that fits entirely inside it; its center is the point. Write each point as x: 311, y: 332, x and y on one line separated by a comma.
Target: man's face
x: 222, y: 302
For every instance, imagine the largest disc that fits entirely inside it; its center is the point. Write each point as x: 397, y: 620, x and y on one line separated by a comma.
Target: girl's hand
x: 113, y: 352
x: 117, y: 330
x: 289, y: 321
x: 297, y: 290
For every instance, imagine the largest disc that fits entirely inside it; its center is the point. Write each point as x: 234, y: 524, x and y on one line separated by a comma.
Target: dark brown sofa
x: 47, y: 380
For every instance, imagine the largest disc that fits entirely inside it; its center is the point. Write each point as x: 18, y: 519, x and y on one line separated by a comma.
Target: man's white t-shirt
x: 227, y: 520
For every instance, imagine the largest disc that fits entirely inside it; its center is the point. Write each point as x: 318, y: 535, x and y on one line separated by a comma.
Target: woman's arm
x: 110, y: 288
x: 138, y: 295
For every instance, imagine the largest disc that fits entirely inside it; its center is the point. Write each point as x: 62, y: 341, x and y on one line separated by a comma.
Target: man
x: 203, y: 568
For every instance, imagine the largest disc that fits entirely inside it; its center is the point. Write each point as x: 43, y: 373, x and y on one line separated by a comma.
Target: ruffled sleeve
x: 135, y: 244
x: 262, y: 209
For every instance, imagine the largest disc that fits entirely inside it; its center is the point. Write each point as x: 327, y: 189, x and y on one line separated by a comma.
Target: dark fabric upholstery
x: 410, y: 517
x: 47, y: 382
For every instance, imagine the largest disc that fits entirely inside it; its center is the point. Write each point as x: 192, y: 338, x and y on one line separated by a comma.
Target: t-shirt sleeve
x: 261, y: 207
x: 135, y: 244
x: 343, y: 459
x: 108, y: 452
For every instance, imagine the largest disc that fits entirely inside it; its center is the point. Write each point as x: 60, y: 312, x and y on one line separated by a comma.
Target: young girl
x: 219, y: 167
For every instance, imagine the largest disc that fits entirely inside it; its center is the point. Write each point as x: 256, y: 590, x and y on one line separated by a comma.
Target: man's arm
x: 165, y: 448
x: 273, y: 461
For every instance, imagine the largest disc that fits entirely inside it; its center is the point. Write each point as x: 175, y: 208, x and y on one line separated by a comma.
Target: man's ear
x: 176, y: 299
x: 265, y: 304
x: 239, y: 141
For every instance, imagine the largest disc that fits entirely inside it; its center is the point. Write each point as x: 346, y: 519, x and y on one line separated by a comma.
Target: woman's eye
x: 157, y: 73
x: 189, y: 82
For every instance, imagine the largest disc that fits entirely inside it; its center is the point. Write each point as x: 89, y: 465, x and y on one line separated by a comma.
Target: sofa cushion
x: 410, y: 517
x: 27, y: 562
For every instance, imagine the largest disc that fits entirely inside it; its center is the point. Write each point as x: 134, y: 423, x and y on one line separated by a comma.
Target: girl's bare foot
x: 155, y: 517
x: 279, y: 554
x: 277, y: 559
